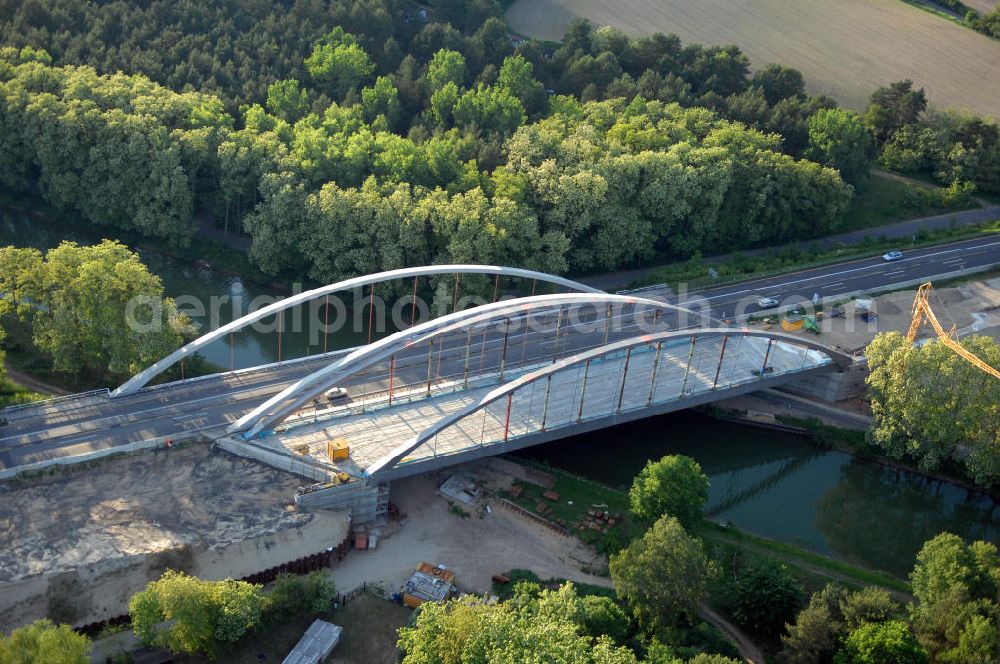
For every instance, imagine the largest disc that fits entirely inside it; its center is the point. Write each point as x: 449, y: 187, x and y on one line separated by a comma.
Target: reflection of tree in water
x: 880, y: 517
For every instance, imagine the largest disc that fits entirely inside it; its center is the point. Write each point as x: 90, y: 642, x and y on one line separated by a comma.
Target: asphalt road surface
x: 76, y: 425
x: 836, y: 280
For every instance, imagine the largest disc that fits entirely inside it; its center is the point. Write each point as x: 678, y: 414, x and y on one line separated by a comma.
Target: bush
x: 295, y: 595
x: 765, y: 597
x: 43, y: 642
x: 886, y: 643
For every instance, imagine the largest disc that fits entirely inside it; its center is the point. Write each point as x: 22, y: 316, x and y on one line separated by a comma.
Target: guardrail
x: 54, y: 400
x: 645, y: 289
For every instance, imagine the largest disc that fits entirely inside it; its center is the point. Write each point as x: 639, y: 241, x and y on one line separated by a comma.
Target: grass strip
x: 791, y: 554
x: 693, y: 272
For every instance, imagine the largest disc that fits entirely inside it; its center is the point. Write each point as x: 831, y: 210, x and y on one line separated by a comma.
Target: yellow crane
x: 922, y: 312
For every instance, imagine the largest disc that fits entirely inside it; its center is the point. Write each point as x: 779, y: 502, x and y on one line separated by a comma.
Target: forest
x: 371, y: 134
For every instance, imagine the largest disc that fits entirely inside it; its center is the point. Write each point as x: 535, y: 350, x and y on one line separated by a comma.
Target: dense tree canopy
x: 191, y: 615
x: 956, y: 586
x: 927, y: 401
x: 377, y: 102
x: 881, y: 643
x: 533, y: 626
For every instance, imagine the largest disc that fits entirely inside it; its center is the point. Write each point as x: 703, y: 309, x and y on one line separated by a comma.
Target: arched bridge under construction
x: 504, y: 375
x: 552, y: 359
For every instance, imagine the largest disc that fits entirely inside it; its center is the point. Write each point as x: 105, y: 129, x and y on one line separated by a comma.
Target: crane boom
x: 922, y: 312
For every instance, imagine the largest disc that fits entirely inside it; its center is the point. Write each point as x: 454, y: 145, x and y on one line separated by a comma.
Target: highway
x: 76, y: 425
x: 833, y: 281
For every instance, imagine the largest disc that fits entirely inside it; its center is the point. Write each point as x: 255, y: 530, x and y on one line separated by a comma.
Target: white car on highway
x: 893, y: 255
x: 768, y: 302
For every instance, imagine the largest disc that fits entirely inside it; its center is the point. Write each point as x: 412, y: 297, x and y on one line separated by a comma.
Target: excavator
x: 922, y: 312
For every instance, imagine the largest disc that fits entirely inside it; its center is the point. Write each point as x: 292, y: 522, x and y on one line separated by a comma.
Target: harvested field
x: 845, y: 49
x: 981, y: 6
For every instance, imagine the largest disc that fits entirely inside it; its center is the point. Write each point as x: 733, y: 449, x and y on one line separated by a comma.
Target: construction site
x: 77, y: 543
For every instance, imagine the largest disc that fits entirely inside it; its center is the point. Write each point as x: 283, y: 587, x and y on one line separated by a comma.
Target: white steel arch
x: 292, y: 398
x: 842, y: 361
x: 138, y: 381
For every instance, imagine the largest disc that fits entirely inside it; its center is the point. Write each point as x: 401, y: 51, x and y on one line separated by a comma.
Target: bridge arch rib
x: 300, y: 393
x: 142, y: 378
x: 624, y: 349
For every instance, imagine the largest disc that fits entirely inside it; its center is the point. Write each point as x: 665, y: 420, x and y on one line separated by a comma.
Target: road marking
x: 864, y: 268
x: 189, y: 417
x: 79, y: 439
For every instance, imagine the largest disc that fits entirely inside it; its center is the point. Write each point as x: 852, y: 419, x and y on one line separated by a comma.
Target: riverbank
x: 577, y: 497
x: 783, y: 486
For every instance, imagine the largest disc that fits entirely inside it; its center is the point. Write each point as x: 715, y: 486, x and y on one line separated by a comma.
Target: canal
x: 773, y: 484
x: 782, y: 486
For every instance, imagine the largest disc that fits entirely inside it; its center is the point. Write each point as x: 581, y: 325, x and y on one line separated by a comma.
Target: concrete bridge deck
x: 617, y: 387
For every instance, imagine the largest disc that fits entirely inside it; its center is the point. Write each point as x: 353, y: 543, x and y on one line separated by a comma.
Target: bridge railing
x: 51, y: 401
x: 621, y: 378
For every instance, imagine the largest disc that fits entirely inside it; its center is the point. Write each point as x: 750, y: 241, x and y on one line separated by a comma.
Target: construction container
x: 429, y: 583
x: 338, y: 449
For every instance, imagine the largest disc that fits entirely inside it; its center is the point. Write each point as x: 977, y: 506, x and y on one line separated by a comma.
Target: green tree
x: 286, y: 100
x: 663, y: 575
x: 778, y: 82
x: 42, y: 642
x: 443, y: 103
x: 894, y: 106
x: 517, y: 76
x: 445, y: 67
x: 339, y: 64
x: 191, y: 615
x: 816, y: 633
x: 382, y: 99
x: 601, y: 616
x: 928, y: 400
x: 675, y: 486
x: 886, y: 643
x: 490, y: 110
x: 294, y: 595
x: 956, y: 587
x: 98, y: 307
x: 868, y: 605
x: 840, y: 139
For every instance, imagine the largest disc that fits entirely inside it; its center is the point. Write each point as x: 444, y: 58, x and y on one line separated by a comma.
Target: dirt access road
x: 477, y: 547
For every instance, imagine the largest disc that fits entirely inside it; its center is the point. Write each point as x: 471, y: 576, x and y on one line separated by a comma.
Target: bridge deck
x: 540, y: 406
